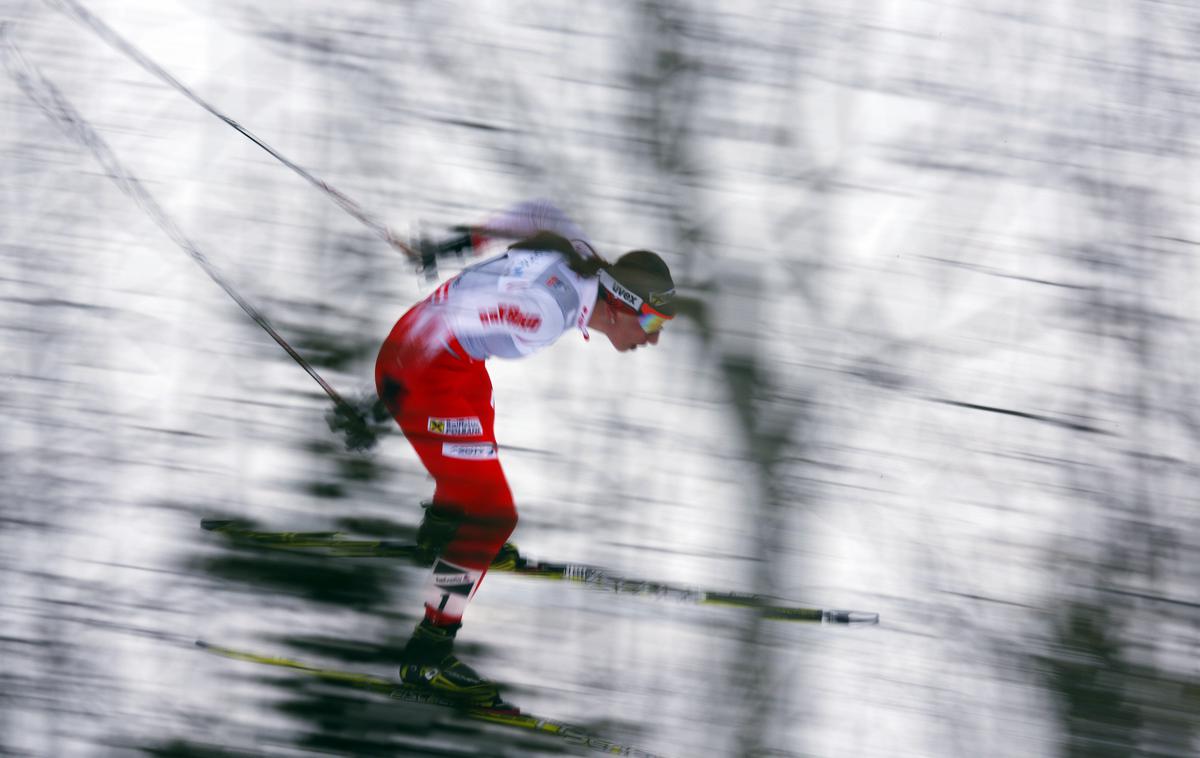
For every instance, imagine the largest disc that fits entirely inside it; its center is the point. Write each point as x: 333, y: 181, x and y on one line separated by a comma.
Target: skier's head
x: 637, y: 297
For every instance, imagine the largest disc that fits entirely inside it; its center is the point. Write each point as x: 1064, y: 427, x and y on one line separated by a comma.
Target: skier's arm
x: 519, y: 222
x: 528, y: 218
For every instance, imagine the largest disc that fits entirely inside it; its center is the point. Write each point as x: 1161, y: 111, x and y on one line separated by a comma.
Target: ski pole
x: 109, y: 35
x: 59, y: 110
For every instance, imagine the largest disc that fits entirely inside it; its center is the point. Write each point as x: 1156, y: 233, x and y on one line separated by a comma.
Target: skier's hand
x: 359, y: 421
x: 462, y: 241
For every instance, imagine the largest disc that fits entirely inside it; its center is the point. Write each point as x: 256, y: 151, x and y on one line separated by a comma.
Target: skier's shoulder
x: 551, y: 276
x: 528, y: 265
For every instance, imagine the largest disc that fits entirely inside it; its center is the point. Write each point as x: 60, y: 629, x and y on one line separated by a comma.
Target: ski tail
x: 335, y: 542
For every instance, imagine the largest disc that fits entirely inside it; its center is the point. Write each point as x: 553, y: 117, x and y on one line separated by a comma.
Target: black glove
x: 360, y: 421
x: 460, y: 241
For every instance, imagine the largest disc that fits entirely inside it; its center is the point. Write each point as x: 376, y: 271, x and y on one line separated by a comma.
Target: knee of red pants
x: 474, y: 488
x: 485, y: 526
x: 480, y: 535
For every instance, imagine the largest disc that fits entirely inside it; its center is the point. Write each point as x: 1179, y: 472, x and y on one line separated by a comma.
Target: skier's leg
x: 446, y: 414
x: 453, y: 435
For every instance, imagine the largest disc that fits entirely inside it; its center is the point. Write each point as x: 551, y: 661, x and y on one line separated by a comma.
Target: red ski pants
x: 443, y: 402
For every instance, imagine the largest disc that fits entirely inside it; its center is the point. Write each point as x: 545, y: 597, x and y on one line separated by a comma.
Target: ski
x: 511, y: 561
x: 570, y: 734
x: 335, y: 542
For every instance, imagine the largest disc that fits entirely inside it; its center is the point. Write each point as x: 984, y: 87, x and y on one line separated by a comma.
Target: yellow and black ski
x: 504, y: 715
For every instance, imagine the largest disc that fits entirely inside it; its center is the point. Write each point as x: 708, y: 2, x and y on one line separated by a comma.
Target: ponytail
x: 585, y: 266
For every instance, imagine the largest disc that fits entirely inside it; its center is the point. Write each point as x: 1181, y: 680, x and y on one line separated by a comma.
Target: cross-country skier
x: 432, y: 376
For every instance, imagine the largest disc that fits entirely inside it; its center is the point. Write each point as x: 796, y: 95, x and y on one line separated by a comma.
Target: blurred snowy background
x: 939, y: 362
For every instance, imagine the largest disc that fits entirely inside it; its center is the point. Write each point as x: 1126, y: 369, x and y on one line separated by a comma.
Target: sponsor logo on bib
x: 510, y: 315
x: 478, y: 452
x: 456, y: 427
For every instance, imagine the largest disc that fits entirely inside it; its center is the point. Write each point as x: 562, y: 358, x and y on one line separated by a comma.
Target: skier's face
x: 625, y: 332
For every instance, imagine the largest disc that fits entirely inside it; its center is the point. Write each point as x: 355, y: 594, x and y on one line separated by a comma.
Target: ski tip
x: 215, y: 524
x: 817, y: 615
x: 202, y: 644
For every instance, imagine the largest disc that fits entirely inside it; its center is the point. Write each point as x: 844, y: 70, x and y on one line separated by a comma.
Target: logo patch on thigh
x: 456, y: 427
x: 478, y: 452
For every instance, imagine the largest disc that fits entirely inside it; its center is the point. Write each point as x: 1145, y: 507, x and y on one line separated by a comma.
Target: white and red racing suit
x: 431, y: 374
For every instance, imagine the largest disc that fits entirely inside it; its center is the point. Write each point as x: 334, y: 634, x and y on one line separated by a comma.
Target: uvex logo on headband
x: 615, y: 287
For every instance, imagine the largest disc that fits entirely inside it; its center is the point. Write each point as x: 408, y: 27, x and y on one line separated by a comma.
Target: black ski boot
x: 428, y: 660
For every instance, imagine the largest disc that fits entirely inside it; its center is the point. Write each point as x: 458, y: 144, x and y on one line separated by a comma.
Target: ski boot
x: 508, y: 558
x: 428, y: 661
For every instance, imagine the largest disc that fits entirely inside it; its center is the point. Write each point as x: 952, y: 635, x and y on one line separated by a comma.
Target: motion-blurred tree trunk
x: 688, y: 84
x: 1122, y: 691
